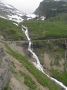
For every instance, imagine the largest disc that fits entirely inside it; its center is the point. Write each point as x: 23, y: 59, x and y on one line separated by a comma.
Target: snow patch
x: 31, y: 15
x: 54, y: 9
x: 8, y: 6
x: 43, y: 18
x: 15, y: 18
x: 3, y: 17
x: 28, y: 18
x: 15, y: 24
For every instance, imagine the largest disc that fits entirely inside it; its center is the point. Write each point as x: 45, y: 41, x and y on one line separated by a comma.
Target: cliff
x: 5, y: 69
x: 51, y: 8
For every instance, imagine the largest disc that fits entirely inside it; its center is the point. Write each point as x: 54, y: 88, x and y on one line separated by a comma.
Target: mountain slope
x: 9, y: 12
x: 9, y: 19
x: 50, y: 8
x: 30, y: 76
x: 10, y: 31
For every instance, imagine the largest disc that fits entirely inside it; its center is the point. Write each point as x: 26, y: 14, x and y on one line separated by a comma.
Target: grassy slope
x: 60, y: 76
x: 10, y: 31
x: 28, y: 81
x: 41, y: 78
x: 55, y: 27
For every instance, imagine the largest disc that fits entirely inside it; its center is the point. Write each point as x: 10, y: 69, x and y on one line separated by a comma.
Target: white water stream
x: 37, y: 64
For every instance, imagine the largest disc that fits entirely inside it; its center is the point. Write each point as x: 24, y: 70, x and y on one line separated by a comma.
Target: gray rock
x: 5, y: 69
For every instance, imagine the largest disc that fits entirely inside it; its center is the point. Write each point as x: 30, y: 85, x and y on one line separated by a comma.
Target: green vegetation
x: 61, y: 76
x: 28, y: 81
x: 10, y: 31
x: 41, y: 78
x: 40, y: 30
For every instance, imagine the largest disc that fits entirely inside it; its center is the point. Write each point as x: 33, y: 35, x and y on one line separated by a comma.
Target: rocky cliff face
x: 52, y: 54
x: 50, y: 8
x: 5, y: 69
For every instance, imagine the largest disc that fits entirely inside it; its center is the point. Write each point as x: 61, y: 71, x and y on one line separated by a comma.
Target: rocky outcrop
x: 52, y: 53
x: 5, y: 69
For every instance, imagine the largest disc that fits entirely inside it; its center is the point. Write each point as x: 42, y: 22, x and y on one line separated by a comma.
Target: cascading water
x: 38, y: 65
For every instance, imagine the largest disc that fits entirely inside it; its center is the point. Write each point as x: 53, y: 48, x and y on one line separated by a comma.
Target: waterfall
x: 38, y: 65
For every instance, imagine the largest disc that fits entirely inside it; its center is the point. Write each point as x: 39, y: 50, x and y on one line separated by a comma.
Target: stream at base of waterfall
x: 37, y: 64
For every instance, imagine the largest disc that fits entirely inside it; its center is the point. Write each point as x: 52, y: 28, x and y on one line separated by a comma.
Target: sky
x: 26, y: 6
